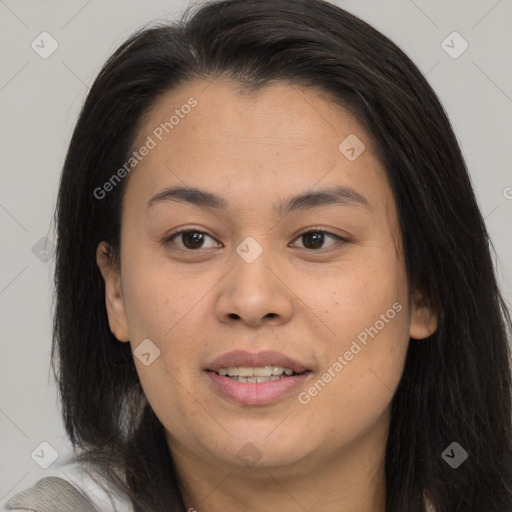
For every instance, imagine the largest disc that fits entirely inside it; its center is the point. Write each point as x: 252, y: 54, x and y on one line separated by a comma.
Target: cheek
x: 166, y: 307
x: 364, y: 349
x: 356, y: 384
x: 353, y: 295
x: 159, y: 307
x: 156, y: 298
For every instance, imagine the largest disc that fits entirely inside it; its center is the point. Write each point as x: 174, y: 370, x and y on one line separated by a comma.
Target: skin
x: 309, y: 303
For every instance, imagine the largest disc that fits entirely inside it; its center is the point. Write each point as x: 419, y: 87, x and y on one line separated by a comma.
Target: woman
x: 274, y: 284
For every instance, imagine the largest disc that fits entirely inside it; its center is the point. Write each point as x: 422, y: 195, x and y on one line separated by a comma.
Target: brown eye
x: 191, y: 239
x: 314, y: 239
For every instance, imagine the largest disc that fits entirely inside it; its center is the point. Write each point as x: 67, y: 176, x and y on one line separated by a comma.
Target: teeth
x: 257, y: 379
x: 261, y: 371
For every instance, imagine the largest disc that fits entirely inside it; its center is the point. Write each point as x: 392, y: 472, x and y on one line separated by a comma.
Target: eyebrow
x: 340, y: 195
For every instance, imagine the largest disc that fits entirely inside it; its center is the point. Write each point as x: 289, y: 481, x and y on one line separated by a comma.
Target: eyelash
x: 341, y: 241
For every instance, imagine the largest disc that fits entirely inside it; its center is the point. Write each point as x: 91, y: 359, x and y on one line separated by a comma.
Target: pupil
x: 192, y: 235
x: 315, y: 235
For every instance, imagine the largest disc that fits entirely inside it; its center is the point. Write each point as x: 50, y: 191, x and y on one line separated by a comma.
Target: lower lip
x: 256, y: 393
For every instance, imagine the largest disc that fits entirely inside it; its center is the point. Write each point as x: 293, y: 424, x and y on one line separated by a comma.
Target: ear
x: 424, y: 318
x: 114, y: 300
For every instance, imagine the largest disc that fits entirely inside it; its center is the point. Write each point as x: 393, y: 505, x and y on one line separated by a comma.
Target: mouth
x: 256, y: 379
x: 247, y: 362
x: 248, y: 374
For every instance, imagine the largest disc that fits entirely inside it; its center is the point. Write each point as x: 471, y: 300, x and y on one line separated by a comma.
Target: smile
x: 255, y: 390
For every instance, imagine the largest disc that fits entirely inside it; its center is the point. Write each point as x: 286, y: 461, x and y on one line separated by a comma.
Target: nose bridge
x: 250, y: 250
x: 253, y: 265
x: 255, y: 291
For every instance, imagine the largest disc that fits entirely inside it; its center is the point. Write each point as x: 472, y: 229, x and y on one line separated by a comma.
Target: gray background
x: 40, y: 100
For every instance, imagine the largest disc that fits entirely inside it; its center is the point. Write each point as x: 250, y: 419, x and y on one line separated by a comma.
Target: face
x: 320, y: 282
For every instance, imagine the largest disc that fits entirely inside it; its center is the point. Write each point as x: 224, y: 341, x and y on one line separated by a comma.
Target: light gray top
x: 69, y: 488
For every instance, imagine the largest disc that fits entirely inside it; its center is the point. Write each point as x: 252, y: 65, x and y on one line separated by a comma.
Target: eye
x: 315, y: 238
x: 191, y: 239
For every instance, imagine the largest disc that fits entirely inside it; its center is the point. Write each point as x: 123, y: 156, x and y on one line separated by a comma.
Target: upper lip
x: 249, y: 359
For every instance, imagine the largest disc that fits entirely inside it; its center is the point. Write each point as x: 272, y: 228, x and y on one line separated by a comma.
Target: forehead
x: 282, y: 138
x: 278, y: 114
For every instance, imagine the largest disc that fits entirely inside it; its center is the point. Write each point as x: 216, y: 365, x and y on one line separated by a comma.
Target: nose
x: 256, y: 292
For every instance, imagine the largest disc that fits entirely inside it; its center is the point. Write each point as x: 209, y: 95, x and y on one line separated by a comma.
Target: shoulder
x: 70, y: 487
